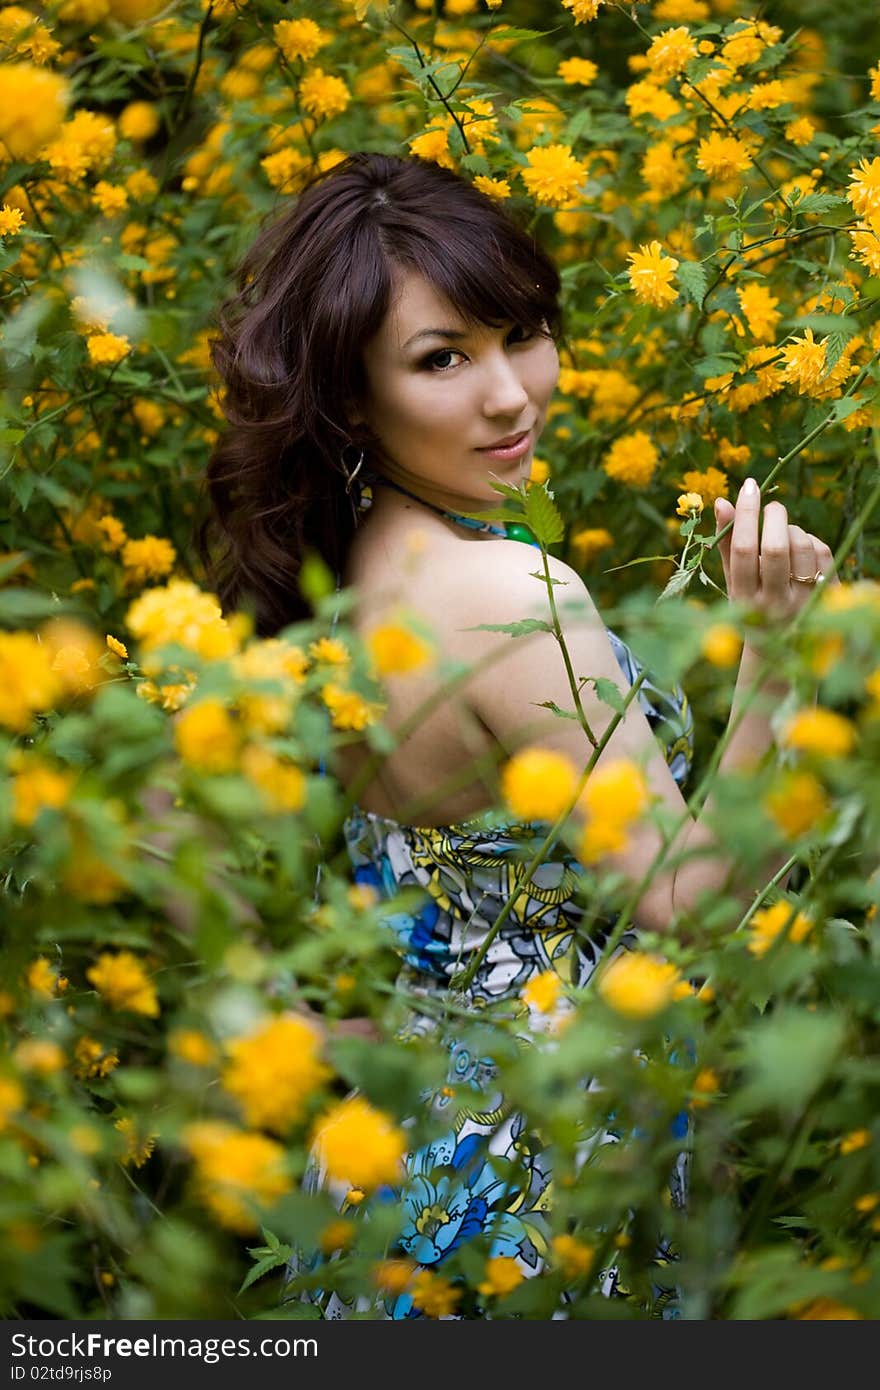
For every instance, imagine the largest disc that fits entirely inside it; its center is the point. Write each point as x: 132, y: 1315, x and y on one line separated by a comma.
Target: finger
x: 723, y: 516
x: 824, y: 560
x: 802, y: 556
x: 775, y: 553
x: 744, y: 542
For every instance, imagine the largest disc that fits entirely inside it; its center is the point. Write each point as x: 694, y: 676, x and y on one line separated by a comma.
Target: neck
x: 437, y: 499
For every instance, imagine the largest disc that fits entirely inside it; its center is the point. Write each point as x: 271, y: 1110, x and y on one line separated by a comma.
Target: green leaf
x: 788, y: 1055
x: 691, y: 275
x: 511, y: 35
x: 551, y: 705
x: 262, y: 1267
x: 543, y: 517
x: 846, y: 406
x: 609, y: 693
x: 517, y: 629
x: 677, y: 584
x: 835, y: 344
x: 819, y: 202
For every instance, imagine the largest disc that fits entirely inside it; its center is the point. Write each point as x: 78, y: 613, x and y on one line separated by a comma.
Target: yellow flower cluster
x: 273, y: 1072
x: 632, y: 459
x: 538, y: 784
x: 767, y: 923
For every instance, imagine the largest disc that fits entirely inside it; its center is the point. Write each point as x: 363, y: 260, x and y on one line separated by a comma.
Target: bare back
x: 445, y: 770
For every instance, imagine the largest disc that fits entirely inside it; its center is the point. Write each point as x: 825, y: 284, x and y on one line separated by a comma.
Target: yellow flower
x: 864, y: 191
x: 819, y: 731
x: 632, y: 459
x: 39, y: 1055
x: 578, y: 72
x: 138, y: 121
x: 37, y: 785
x: 723, y: 156
x: 395, y: 650
x: 768, y: 922
x: 433, y: 1294
x: 537, y: 784
x: 122, y: 981
x: 648, y: 99
x: 688, y: 503
x: 710, y: 483
x: 868, y: 1202
x: 299, y: 38
x: 323, y: 95
x: 553, y: 175
x: 805, y: 363
x: 337, y: 1235
x: 670, y: 52
x: 638, y: 985
x: 358, y: 1144
x: 855, y: 1140
x: 274, y: 1071
x: 235, y: 1171
x: 348, y: 709
x: 827, y: 1310
x: 800, y: 131
x: 573, y: 1256
x: 28, y: 684
x: 493, y: 188
x: 181, y: 613
x: 106, y: 349
x: 193, y: 1047
x: 281, y: 782
x: 721, y: 644
x: 434, y: 145
x: 330, y: 651
x: 650, y: 275
x: 615, y: 793
x: 503, y: 1275
x: 542, y: 991
x: 11, y: 220
x: 41, y: 977
x: 590, y: 541
x: 11, y: 1099
x: 76, y: 652
x: 113, y: 535
x: 759, y: 307
x: 152, y: 557
x: 32, y: 111
x: 138, y: 1146
x: 392, y: 1276
x: 706, y: 1084
x: 206, y: 736
x: 797, y: 802
x: 92, y: 1059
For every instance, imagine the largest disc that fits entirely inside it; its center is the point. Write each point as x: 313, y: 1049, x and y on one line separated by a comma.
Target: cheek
x: 545, y: 374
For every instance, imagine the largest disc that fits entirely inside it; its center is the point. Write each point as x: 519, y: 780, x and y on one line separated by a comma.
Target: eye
x: 525, y: 333
x: 444, y: 352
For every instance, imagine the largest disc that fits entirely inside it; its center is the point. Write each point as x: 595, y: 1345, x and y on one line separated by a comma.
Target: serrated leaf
x: 260, y: 1268
x: 550, y: 704
x: 543, y: 517
x: 677, y: 584
x: 819, y: 202
x: 511, y: 35
x: 846, y: 406
x: 835, y: 345
x: 691, y: 275
x: 609, y: 693
x: 518, y: 629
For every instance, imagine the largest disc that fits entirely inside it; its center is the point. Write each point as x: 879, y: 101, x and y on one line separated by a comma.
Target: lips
x: 506, y: 442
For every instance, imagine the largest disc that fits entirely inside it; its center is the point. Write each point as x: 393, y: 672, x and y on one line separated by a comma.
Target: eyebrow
x: 435, y: 333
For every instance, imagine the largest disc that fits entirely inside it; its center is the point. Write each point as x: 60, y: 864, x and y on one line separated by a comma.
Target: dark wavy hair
x: 312, y: 289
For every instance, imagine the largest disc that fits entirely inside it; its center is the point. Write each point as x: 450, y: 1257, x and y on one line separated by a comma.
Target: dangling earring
x: 350, y: 476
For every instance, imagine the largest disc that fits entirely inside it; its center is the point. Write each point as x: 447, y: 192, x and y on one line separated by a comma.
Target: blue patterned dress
x: 454, y: 1189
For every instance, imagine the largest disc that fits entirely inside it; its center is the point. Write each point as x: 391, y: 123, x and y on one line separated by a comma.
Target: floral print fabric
x: 466, y: 872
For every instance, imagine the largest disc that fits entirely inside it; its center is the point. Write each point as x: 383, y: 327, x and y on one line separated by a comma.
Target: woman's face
x: 439, y: 392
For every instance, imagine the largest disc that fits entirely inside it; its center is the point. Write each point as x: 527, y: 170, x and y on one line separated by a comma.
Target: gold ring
x: 807, y: 579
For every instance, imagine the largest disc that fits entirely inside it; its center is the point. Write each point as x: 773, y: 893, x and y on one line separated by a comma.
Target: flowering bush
x: 181, y: 941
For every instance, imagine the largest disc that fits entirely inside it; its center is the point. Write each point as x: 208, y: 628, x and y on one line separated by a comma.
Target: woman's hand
x: 764, y: 579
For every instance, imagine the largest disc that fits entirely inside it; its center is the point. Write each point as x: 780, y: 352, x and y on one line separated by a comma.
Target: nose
x: 504, y: 393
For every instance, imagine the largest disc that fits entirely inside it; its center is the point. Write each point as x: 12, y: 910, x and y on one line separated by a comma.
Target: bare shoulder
x: 504, y: 580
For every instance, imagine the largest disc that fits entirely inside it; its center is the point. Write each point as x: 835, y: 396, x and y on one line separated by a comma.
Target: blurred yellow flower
x: 92, y: 1059
x: 192, y: 1046
x: 767, y: 923
x: 580, y: 72
x: 638, y: 985
x: 392, y: 1276
x: 819, y: 731
x: 236, y: 1171
x: 537, y: 784
x: 358, y: 1144
x: 282, y: 783
x: 543, y: 991
x: 151, y: 557
x: 182, y: 613
x: 33, y: 108
x: 721, y: 644
x: 39, y: 1055
x: 37, y: 785
x: 396, y: 650
x: 797, y: 802
x: 348, y: 709
x: 11, y: 1099
x: 123, y: 982
x: 28, y: 684
x: 323, y: 95
x: 432, y: 1293
x: 590, y: 541
x: 573, y: 1256
x: 207, y: 737
x: 855, y: 1140
x: 273, y: 1071
x: 502, y: 1276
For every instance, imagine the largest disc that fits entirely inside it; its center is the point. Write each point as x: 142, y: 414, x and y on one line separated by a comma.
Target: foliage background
x: 121, y: 224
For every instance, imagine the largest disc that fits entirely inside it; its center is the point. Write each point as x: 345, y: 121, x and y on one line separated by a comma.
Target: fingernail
x: 750, y: 487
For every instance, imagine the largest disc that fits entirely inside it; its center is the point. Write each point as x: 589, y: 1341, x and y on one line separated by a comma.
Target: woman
x: 392, y: 351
